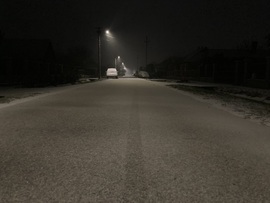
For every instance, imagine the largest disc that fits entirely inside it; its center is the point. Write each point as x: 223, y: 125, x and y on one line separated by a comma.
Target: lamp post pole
x: 99, y: 52
x: 116, y: 61
x: 146, y: 50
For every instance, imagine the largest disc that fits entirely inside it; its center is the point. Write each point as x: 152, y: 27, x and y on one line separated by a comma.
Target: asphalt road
x: 130, y: 140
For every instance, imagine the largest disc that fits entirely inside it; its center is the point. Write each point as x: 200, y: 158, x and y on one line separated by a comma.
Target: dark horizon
x: 173, y: 28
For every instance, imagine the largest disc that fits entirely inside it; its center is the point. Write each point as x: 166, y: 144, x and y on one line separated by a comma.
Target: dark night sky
x: 174, y: 28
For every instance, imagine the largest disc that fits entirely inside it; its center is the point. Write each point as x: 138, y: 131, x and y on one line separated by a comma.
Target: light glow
x: 109, y: 36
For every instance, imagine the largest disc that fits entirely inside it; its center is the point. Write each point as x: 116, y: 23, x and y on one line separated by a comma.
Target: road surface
x: 130, y: 140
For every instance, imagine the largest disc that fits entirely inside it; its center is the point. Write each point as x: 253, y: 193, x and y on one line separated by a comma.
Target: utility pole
x: 146, y: 47
x: 99, y: 51
x: 137, y: 68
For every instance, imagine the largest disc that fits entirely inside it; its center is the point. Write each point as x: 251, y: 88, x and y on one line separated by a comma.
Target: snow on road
x: 248, y: 103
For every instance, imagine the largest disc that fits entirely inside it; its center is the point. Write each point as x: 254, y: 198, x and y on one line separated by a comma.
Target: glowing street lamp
x: 109, y: 36
x: 99, y: 32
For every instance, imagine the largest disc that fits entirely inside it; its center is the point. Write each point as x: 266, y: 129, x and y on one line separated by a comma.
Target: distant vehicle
x: 143, y: 74
x: 121, y: 72
x: 111, y: 73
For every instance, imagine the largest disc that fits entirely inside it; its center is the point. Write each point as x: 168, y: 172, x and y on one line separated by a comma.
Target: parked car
x: 143, y: 74
x: 111, y: 73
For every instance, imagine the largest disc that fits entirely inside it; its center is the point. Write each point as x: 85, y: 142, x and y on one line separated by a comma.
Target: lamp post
x: 146, y: 50
x: 99, y: 51
x: 116, y: 62
x: 99, y: 32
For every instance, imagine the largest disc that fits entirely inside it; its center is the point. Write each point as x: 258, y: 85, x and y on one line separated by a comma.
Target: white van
x: 111, y: 73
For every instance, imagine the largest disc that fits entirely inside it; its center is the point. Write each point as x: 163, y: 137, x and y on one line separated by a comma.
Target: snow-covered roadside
x: 248, y: 103
x: 260, y: 95
x: 10, y: 94
x: 13, y: 95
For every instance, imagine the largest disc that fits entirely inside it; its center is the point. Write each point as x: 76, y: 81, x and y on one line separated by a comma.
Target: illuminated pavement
x: 129, y: 140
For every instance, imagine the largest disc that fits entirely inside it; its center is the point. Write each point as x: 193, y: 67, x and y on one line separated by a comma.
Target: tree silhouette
x: 268, y: 41
x: 1, y: 36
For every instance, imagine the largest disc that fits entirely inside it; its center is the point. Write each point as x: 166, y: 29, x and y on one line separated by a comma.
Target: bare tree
x: 268, y: 41
x: 1, y: 36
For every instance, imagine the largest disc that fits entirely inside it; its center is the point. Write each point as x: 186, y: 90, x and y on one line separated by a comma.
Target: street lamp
x: 99, y: 31
x: 99, y: 51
